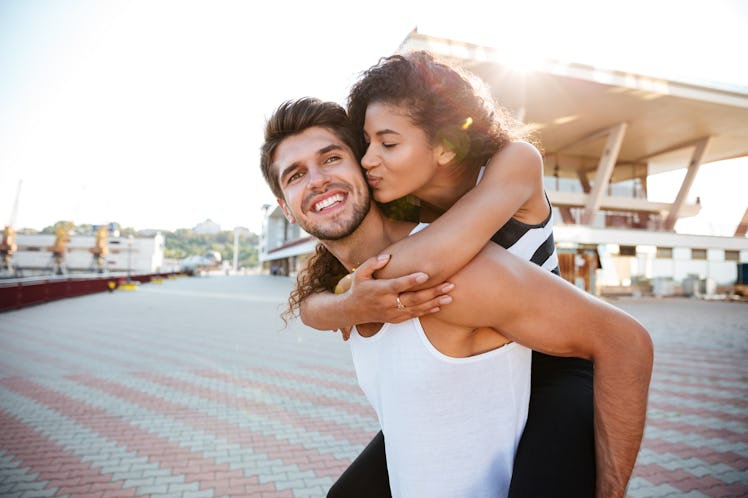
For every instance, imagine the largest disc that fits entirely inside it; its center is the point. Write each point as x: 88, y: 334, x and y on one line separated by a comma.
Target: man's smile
x: 328, y: 202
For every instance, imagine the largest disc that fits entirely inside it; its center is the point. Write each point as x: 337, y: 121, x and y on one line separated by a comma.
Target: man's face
x: 324, y: 189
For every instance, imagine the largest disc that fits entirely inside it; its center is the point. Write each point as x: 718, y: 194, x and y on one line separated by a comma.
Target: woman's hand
x: 389, y: 300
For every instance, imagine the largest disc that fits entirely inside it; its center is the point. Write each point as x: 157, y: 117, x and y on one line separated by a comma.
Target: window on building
x: 732, y: 255
x: 627, y: 250
x: 665, y: 252
x: 698, y: 254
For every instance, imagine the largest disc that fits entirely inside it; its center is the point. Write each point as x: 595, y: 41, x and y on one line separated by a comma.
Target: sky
x: 149, y: 113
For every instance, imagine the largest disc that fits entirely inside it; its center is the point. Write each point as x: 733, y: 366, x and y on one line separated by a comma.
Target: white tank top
x: 451, y: 425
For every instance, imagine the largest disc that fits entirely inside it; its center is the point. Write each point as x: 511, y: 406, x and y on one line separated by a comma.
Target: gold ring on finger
x: 400, y: 305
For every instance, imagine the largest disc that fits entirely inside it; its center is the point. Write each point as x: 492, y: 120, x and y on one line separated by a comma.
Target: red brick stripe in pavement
x: 289, y: 453
x: 711, y: 397
x: 329, y: 382
x: 707, y: 454
x: 299, y: 394
x: 56, y: 466
x: 689, y: 428
x: 193, y: 465
x: 686, y: 482
x: 701, y: 412
x: 113, y: 350
x: 728, y: 369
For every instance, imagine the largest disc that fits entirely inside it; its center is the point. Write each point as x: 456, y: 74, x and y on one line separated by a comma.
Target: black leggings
x: 367, y: 476
x: 556, y: 454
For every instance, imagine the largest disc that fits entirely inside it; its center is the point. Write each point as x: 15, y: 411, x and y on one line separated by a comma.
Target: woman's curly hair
x: 446, y: 102
x: 320, y: 273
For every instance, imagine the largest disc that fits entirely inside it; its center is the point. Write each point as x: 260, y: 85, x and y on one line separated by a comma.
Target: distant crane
x: 100, y: 249
x: 7, y: 248
x: 8, y: 245
x: 58, y: 265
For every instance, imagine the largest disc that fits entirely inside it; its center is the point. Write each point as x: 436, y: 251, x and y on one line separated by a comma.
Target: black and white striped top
x: 532, y: 242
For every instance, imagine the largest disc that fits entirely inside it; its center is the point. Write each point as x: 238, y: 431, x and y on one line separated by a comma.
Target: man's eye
x: 295, y: 177
x: 332, y: 159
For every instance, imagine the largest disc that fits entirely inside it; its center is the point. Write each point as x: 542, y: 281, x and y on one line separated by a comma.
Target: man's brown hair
x: 322, y: 270
x: 293, y: 117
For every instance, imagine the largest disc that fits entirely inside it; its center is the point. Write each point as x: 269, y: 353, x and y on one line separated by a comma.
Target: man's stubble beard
x: 342, y: 228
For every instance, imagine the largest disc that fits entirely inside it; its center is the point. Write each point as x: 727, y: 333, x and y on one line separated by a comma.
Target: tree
x: 60, y: 224
x: 184, y: 242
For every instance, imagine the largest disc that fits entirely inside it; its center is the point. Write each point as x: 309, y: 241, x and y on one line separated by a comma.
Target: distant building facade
x: 136, y: 255
x: 283, y: 247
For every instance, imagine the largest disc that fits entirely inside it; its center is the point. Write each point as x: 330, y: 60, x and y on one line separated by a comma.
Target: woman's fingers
x: 390, y: 300
x: 422, y: 302
x: 403, y: 284
x: 368, y: 267
x: 363, y: 272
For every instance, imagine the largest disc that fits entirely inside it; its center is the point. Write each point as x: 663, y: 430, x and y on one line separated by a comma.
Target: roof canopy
x: 574, y: 107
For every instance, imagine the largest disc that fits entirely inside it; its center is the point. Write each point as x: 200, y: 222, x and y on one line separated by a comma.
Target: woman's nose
x: 369, y: 160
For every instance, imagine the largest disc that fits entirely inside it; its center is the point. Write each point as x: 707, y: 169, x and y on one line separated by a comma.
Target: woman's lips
x: 373, y: 181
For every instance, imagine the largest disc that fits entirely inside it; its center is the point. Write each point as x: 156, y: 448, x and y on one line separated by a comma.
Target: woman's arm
x: 512, y: 185
x: 369, y: 300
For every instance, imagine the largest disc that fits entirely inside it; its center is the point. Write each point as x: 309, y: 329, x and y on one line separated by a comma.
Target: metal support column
x: 693, y: 169
x: 604, y: 170
x: 742, y: 227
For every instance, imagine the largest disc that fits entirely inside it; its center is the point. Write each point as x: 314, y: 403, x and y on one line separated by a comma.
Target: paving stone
x: 39, y: 493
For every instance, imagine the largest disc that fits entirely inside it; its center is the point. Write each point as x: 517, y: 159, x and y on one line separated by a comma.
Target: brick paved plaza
x: 191, y: 388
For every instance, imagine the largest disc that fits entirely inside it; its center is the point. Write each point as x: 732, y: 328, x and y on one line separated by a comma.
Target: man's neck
x: 375, y: 233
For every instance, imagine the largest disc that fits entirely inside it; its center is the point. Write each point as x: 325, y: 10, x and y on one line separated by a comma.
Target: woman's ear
x: 444, y: 154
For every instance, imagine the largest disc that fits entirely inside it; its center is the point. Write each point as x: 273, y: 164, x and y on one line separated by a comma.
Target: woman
x: 412, y: 109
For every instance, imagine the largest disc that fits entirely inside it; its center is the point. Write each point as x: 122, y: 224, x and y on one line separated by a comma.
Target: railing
x: 17, y: 293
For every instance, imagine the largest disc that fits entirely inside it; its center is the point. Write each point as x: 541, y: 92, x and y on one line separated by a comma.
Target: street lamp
x: 129, y: 256
x: 238, y: 231
x: 236, y: 249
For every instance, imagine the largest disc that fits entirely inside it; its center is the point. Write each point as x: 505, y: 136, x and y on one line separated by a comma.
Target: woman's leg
x: 367, y: 476
x: 556, y: 454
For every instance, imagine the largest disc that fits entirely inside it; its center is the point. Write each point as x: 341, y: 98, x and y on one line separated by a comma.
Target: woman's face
x: 399, y: 159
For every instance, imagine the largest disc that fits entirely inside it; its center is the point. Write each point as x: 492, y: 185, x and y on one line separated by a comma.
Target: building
x: 135, y: 255
x: 283, y: 246
x: 604, y: 132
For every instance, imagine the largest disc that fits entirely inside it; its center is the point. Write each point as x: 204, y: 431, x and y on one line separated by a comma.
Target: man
x: 310, y: 160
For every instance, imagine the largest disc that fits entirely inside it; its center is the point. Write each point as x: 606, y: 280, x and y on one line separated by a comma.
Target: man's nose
x: 318, y: 177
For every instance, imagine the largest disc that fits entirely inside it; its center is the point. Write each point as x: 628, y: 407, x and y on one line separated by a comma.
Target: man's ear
x: 285, y: 210
x: 444, y: 154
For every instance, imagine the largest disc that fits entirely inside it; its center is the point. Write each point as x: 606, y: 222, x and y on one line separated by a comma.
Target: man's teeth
x: 328, y: 202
